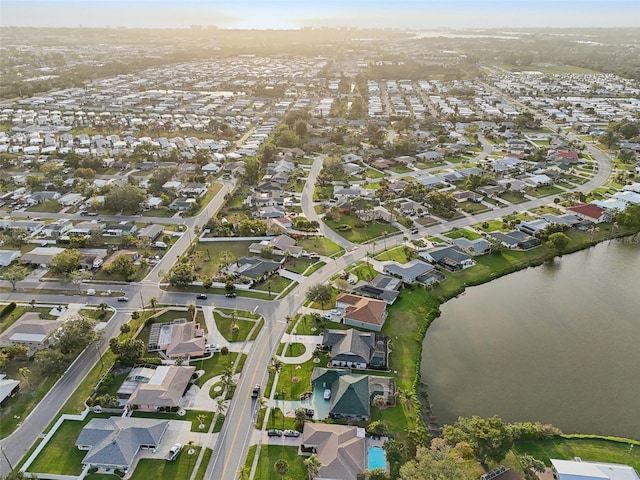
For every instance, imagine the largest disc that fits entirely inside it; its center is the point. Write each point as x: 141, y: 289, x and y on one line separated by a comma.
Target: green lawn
x: 298, y: 265
x: 545, y: 191
x: 224, y: 326
x: 587, y: 449
x: 462, y: 232
x: 180, y: 468
x: 397, y: 254
x: 269, y: 454
x: 215, y: 365
x: 211, y: 253
x: 351, y: 229
x: 60, y: 456
x: 320, y: 245
x: 372, y: 173
x: 294, y: 350
x: 162, y: 212
x: 49, y: 206
x: 189, y: 416
x: 513, y: 197
x: 364, y: 271
x: 302, y: 376
x: 473, y: 207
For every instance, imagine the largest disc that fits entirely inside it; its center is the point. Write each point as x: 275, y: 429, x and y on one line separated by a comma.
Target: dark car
x: 123, y: 299
x: 201, y: 296
x: 274, y: 433
x: 310, y: 412
x: 230, y: 295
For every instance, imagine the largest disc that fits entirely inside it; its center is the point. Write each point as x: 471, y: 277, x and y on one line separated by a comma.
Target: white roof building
x: 579, y: 470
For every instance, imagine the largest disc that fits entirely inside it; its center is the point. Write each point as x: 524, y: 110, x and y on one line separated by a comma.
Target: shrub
x: 224, y: 350
x: 8, y: 309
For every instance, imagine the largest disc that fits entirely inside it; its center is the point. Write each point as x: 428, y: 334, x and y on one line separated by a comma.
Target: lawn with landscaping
x: 321, y: 246
x: 181, y: 467
x: 270, y: 454
x: 357, y: 231
x: 232, y: 327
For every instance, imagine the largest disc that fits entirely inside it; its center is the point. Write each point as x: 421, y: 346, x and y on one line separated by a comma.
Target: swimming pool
x: 376, y: 458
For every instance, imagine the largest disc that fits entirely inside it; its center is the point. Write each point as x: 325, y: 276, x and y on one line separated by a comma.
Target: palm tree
x: 313, y: 465
x: 244, y: 472
x: 153, y: 301
x: 281, y: 467
x: 227, y: 376
x: 191, y: 310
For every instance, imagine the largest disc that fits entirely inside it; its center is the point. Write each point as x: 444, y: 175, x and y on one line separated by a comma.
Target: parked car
x: 310, y: 412
x: 335, y: 311
x: 327, y: 316
x: 327, y: 394
x: 212, y: 348
x: 174, y: 451
x: 123, y: 299
x: 201, y: 296
x: 274, y: 433
x: 291, y: 433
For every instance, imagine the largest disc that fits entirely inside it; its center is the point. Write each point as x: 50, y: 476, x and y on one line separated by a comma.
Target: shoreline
x: 421, y: 390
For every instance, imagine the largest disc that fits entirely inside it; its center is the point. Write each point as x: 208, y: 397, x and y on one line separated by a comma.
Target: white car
x: 327, y: 316
x: 327, y: 394
x: 213, y: 348
x: 335, y: 311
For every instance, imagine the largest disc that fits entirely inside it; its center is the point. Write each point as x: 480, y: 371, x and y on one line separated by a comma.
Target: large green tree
x: 123, y: 266
x: 436, y: 464
x: 320, y: 293
x: 125, y: 198
x: 14, y: 274
x: 128, y: 350
x: 182, y: 274
x: 490, y: 439
x: 65, y: 262
x: 75, y: 334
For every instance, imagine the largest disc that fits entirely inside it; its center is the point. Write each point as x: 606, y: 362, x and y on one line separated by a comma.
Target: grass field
x: 225, y: 323
x: 269, y: 454
x: 587, y: 449
x: 349, y: 227
x: 321, y: 246
x: 181, y: 467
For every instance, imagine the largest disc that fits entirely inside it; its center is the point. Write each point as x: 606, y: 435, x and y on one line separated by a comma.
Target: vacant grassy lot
x: 473, y: 207
x: 321, y: 246
x: 351, y: 228
x: 587, y: 449
x: 545, y: 191
x: 513, y: 197
x: 397, y: 254
x: 216, y: 364
x: 462, y: 232
x: 50, y: 206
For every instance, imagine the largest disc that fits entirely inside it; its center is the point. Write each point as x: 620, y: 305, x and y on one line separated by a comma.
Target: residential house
x: 162, y: 390
x: 254, y: 268
x: 449, y: 257
x: 589, y: 212
x: 8, y: 388
x: 362, y: 312
x: 194, y: 190
x: 114, y: 443
x: 351, y: 393
x: 41, y: 255
x: 8, y: 256
x: 31, y: 331
x: 177, y: 339
x: 533, y: 226
x: 119, y: 229
x: 151, y: 231
x: 415, y: 271
x: 467, y: 196
x: 70, y: 199
x: 382, y: 287
x: 354, y: 349
x: 516, y: 239
x: 182, y: 204
x: 476, y: 247
x: 341, y: 449
x: 538, y: 180
x: 281, y: 245
x: 579, y: 469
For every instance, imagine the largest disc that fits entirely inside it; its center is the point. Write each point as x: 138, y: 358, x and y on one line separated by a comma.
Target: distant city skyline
x: 287, y: 14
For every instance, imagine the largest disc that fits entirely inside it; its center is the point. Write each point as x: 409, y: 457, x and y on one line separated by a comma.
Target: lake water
x: 558, y: 343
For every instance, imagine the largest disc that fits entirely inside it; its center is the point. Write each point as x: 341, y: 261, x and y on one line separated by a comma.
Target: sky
x: 290, y: 14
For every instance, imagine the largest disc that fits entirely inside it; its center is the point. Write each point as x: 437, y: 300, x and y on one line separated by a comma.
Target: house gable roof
x: 362, y: 309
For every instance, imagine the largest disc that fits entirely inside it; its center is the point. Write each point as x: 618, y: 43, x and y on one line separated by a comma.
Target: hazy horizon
x: 287, y: 14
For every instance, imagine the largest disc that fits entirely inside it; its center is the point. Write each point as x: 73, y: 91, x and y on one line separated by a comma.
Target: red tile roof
x: 588, y: 210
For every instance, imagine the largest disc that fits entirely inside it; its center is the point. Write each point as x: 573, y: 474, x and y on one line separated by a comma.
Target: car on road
x: 415, y: 230
x: 327, y: 394
x: 274, y: 432
x: 230, y: 295
x: 201, y: 296
x: 123, y: 299
x: 255, y: 393
x: 291, y: 433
